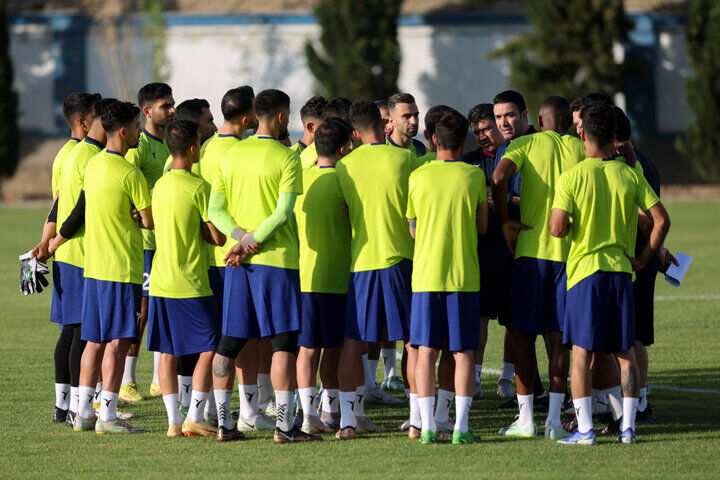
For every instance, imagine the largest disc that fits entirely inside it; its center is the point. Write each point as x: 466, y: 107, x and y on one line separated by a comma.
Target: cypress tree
x: 359, y: 54
x: 701, y: 142
x: 9, y: 132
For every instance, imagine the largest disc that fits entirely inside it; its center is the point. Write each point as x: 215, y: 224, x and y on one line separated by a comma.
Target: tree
x: 569, y: 49
x: 359, y: 54
x: 701, y: 142
x: 9, y: 132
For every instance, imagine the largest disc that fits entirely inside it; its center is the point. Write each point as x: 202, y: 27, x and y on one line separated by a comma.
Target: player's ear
x: 310, y: 127
x: 434, y: 137
x: 427, y: 135
x: 146, y: 111
x: 122, y: 132
x: 539, y: 121
x: 582, y: 134
x: 356, y: 134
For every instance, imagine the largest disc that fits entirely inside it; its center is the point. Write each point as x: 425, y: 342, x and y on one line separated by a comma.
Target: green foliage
x: 569, y: 49
x: 701, y: 142
x: 359, y: 55
x: 9, y: 132
x: 155, y: 32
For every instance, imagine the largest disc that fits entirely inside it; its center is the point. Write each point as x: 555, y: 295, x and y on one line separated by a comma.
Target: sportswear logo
x: 312, y: 399
x: 187, y: 387
x: 197, y: 403
x: 97, y: 395
x: 359, y: 398
x: 330, y: 399
x: 107, y: 402
x: 250, y: 396
x: 280, y: 413
x: 65, y: 395
x: 449, y: 402
x: 352, y: 405
x: 577, y: 411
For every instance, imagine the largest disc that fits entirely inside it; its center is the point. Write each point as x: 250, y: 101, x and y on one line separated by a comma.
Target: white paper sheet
x: 674, y: 275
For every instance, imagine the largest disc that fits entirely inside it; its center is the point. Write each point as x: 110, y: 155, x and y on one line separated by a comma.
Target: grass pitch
x: 684, y: 442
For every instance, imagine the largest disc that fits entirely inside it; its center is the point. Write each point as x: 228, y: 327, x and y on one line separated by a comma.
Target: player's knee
x: 285, y: 342
x: 230, y: 346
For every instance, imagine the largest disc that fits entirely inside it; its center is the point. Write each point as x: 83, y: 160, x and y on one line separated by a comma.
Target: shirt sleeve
x: 291, y: 175
x: 645, y: 197
x: 564, y: 193
x: 517, y: 151
x: 137, y: 189
x: 481, y: 186
x: 202, y: 200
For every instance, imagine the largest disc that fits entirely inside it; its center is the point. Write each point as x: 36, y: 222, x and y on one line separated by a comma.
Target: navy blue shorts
x: 600, y: 313
x: 183, y: 326
x: 147, y: 267
x: 260, y: 301
x: 68, y: 283
x: 379, y: 299
x: 110, y: 310
x: 217, y: 284
x: 538, y: 290
x: 323, y: 319
x: 445, y: 320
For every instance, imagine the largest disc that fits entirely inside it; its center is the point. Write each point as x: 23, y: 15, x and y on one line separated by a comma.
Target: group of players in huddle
x: 248, y: 255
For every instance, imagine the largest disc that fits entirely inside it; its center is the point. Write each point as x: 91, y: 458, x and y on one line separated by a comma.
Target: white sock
x: 171, y: 406
x: 156, y: 363
x: 85, y: 402
x: 360, y: 401
x: 265, y: 390
x: 129, y: 372
x: 642, y: 404
x: 556, y: 401
x: 316, y: 399
x: 525, y: 404
x: 74, y: 399
x: 415, y: 418
x: 330, y: 399
x: 389, y: 356
x: 185, y: 389
x: 478, y: 372
x: 307, y: 397
x: 630, y: 406
x: 583, y: 413
x: 248, y: 401
x: 210, y: 407
x: 508, y: 371
x: 298, y: 405
x: 347, y: 406
x: 108, y: 405
x: 366, y: 367
x: 371, y: 373
x: 442, y: 409
x: 426, y: 405
x: 62, y: 395
x: 284, y: 402
x: 222, y: 404
x: 614, y: 396
x: 197, y: 406
x: 98, y: 390
x: 462, y: 412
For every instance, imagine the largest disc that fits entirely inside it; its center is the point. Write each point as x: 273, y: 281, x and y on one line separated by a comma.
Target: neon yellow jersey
x: 195, y: 168
x: 602, y: 198
x: 428, y: 157
x: 632, y: 223
x: 71, y: 184
x: 57, y: 166
x: 211, y: 153
x: 149, y: 157
x: 113, y: 242
x: 324, y: 233
x: 308, y: 156
x: 180, y: 266
x: 298, y: 147
x: 444, y: 196
x: 540, y: 159
x: 374, y: 182
x: 252, y: 173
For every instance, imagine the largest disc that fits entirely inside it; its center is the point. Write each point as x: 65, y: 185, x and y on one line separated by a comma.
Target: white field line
x: 669, y: 298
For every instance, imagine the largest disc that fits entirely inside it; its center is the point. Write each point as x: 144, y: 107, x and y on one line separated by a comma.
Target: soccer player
x: 336, y: 107
x: 405, y: 121
x: 385, y: 114
x: 117, y: 206
x: 594, y: 204
x: 311, y: 117
x: 324, y: 234
x: 538, y: 277
x: 183, y: 316
x: 447, y: 208
x: 196, y: 110
x: 252, y: 202
x: 431, y: 118
x: 158, y: 108
x: 373, y: 179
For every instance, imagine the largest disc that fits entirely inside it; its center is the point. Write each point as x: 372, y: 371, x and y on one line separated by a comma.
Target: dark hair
x: 180, y: 135
x: 433, y: 115
x: 560, y: 109
x: 269, y: 102
x: 623, y: 130
x: 337, y: 107
x: 382, y: 104
x: 585, y: 100
x: 118, y: 115
x: 332, y: 135
x: 598, y: 123
x: 399, y: 98
x: 101, y: 105
x: 313, y: 108
x: 79, y: 105
x: 191, y: 109
x: 511, y: 96
x: 237, y: 103
x: 153, y: 92
x: 451, y: 130
x: 365, y: 115
x: 481, y: 111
